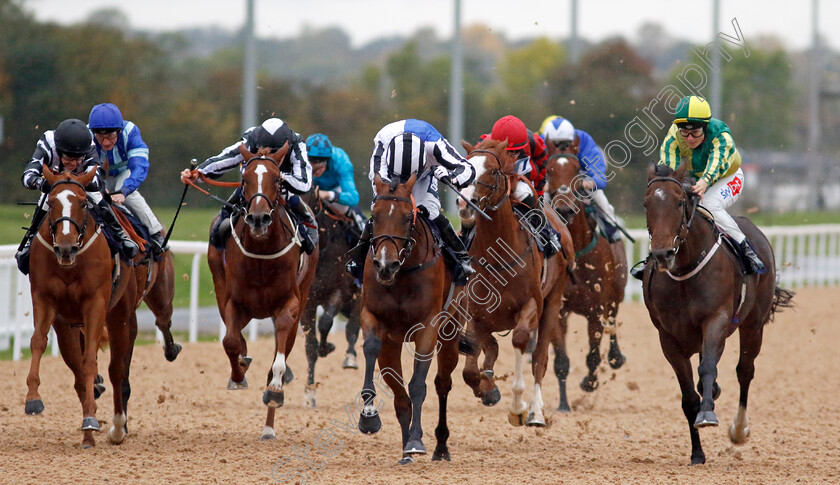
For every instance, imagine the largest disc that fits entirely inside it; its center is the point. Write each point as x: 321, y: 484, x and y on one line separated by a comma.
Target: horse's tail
x: 467, y: 345
x: 781, y: 299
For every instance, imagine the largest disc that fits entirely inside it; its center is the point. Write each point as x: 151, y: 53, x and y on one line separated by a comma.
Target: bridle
x: 688, y: 212
x: 80, y: 228
x: 272, y: 204
x: 499, y: 177
x: 408, y: 241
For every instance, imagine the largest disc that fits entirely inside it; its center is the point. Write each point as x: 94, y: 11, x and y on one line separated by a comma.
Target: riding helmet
x: 273, y: 133
x: 318, y: 146
x: 513, y: 130
x: 694, y: 111
x: 73, y: 138
x: 558, y: 129
x: 105, y: 116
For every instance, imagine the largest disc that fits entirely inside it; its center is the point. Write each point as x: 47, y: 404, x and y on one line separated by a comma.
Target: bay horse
x: 262, y: 273
x: 77, y: 290
x: 530, y: 287
x: 599, y: 277
x: 697, y: 296
x: 333, y: 289
x: 404, y: 291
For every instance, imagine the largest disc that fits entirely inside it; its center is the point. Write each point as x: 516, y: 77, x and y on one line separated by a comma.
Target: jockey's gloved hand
x: 43, y: 185
x: 441, y: 173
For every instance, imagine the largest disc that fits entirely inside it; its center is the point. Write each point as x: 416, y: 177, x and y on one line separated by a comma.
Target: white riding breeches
x: 720, y: 197
x: 425, y: 193
x: 600, y: 199
x: 135, y: 203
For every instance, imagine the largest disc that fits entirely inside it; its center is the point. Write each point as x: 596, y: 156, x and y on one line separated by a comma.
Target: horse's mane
x: 393, y: 184
x: 663, y: 170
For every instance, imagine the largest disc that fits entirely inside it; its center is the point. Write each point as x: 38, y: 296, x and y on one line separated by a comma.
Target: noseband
x: 484, y: 201
x: 79, y: 228
x: 408, y: 241
x: 687, y: 217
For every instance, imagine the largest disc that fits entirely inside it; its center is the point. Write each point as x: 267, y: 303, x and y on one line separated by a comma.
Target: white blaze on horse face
x: 391, y: 210
x: 278, y: 368
x: 478, y: 162
x: 562, y: 161
x: 659, y: 194
x: 260, y: 170
x: 66, y: 206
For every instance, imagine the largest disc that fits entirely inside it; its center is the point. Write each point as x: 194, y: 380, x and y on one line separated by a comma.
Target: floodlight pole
x: 456, y: 98
x: 249, y: 76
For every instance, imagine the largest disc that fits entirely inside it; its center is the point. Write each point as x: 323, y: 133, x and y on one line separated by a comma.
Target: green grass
x: 637, y: 221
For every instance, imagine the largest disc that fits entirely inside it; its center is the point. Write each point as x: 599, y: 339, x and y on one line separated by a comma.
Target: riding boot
x: 22, y: 255
x: 753, y: 262
x: 547, y: 235
x: 454, y: 243
x: 355, y: 264
x: 158, y: 247
x: 128, y: 248
x: 638, y: 270
x: 310, y: 232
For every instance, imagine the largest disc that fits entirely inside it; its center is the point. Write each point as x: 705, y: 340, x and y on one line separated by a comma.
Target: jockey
x: 68, y: 148
x: 125, y: 160
x: 706, y: 144
x: 568, y: 140
x: 529, y: 150
x: 332, y: 173
x: 272, y: 133
x: 408, y: 147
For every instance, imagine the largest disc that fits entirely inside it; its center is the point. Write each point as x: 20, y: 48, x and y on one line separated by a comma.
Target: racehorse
x: 530, y: 286
x: 78, y: 289
x: 599, y: 278
x: 262, y: 273
x: 333, y: 289
x: 404, y: 292
x: 697, y: 296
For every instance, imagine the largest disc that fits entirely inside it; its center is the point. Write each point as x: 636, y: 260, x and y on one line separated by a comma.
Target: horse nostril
x: 249, y: 219
x: 393, y: 266
x: 377, y: 264
x: 266, y: 219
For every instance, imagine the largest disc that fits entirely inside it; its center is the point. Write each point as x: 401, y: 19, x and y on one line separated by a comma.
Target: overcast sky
x: 365, y: 20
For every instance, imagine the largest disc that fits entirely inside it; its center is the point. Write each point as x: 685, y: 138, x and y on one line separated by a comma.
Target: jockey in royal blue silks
x: 332, y: 173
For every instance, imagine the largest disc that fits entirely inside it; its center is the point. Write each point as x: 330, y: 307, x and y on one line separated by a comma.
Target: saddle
x: 728, y: 242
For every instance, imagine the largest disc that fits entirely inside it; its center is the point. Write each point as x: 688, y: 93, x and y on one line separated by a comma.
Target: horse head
x: 669, y: 205
x: 564, y: 180
x: 261, y: 190
x: 393, y: 217
x: 67, y: 212
x: 494, y: 168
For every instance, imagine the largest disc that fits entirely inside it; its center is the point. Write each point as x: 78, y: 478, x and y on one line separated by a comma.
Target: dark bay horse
x: 697, y: 297
x: 405, y: 288
x: 600, y: 274
x: 333, y: 289
x: 77, y: 290
x: 530, y: 287
x: 262, y: 273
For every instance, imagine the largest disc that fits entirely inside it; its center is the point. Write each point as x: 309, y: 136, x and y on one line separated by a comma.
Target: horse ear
x: 378, y: 184
x: 410, y: 183
x: 679, y: 173
x: 502, y: 145
x: 243, y: 150
x: 48, y: 174
x: 469, y: 148
x: 651, y: 171
x: 87, y: 178
x: 280, y: 154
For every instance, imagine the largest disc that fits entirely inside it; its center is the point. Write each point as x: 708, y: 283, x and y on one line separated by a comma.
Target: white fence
x: 805, y: 256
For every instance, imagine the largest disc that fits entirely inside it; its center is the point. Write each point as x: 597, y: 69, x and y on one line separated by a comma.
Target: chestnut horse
x: 406, y: 284
x: 333, y: 289
x: 262, y: 273
x: 77, y: 290
x: 530, y: 287
x: 697, y: 297
x: 599, y: 278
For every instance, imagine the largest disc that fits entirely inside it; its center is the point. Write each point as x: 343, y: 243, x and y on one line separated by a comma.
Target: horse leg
x: 489, y: 391
x: 714, y: 338
x: 595, y: 328
x: 232, y: 343
x: 285, y: 328
x: 94, y: 317
x: 615, y: 358
x: 751, y: 339
x: 690, y: 399
x: 426, y: 345
x: 308, y: 324
x: 44, y: 314
x: 561, y: 360
x: 547, y: 328
x: 390, y: 369
x: 471, y: 374
x: 69, y: 343
x: 351, y: 333
x: 369, y: 422
x: 447, y: 360
x: 159, y: 301
x: 526, y: 322
x: 119, y: 337
x: 325, y: 324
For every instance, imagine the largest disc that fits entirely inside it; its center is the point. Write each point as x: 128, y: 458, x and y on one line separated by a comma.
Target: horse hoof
x: 273, y: 399
x: 439, y: 455
x: 288, y: 376
x: 268, y: 434
x: 236, y: 386
x: 517, y: 419
x: 617, y: 361
x: 406, y: 460
x: 589, y: 384
x: 98, y: 389
x: 738, y: 438
x: 491, y: 398
x: 414, y: 447
x: 325, y: 349
x: 90, y: 423
x: 705, y: 419
x: 99, y: 379
x: 34, y: 407
x: 309, y: 400
x: 350, y: 362
x: 171, y: 351
x: 370, y: 424
x: 698, y: 459
x: 116, y: 437
x: 87, y: 446
x: 536, y: 421
x: 563, y: 407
